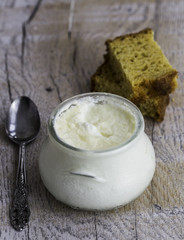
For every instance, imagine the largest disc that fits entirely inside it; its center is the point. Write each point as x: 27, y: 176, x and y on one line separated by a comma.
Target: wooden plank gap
x: 56, y: 86
x: 24, y: 31
x: 152, y: 132
x: 96, y: 233
x: 70, y: 20
x: 34, y: 11
x: 7, y: 76
x: 136, y: 235
x: 23, y: 45
x: 156, y: 17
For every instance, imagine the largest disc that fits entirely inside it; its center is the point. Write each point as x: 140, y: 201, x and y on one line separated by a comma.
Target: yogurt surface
x: 95, y: 126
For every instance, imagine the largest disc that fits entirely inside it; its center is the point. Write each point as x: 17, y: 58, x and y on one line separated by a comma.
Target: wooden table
x: 48, y: 51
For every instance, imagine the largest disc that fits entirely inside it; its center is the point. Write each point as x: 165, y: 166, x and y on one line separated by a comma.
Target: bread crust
x: 166, y: 84
x: 144, y: 31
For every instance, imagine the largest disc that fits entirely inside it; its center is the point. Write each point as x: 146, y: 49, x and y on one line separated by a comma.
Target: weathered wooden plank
x: 165, y: 219
x: 48, y: 69
x: 12, y: 85
x: 8, y: 155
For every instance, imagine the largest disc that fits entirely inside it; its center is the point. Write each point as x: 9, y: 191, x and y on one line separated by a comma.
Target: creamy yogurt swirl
x: 91, y: 126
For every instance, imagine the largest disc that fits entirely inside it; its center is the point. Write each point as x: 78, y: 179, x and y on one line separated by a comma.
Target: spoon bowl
x: 23, y: 121
x: 22, y: 126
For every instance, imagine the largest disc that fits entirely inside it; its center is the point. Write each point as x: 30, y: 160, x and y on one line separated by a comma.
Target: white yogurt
x: 97, y: 155
x: 91, y: 126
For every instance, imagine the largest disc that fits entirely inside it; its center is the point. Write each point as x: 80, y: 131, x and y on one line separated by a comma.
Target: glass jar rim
x: 138, y: 116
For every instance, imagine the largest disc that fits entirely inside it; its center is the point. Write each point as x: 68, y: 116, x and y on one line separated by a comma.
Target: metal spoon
x: 22, y: 126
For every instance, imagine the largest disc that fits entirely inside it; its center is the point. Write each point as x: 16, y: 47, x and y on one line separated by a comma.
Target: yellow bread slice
x: 140, y: 62
x: 150, y: 103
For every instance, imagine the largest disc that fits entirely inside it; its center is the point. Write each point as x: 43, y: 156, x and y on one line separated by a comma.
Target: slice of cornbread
x: 136, y: 68
x: 151, y: 104
x: 139, y: 61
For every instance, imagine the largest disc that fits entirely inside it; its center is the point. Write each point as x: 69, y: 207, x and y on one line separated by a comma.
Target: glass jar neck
x: 99, y: 98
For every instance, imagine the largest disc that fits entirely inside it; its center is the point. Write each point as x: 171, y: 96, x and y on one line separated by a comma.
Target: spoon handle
x: 20, y: 212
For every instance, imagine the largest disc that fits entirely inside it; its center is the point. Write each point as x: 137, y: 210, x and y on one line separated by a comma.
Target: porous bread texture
x: 151, y: 105
x: 140, y: 60
x: 136, y: 68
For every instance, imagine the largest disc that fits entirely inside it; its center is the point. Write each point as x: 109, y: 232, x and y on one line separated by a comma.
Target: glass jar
x: 97, y: 180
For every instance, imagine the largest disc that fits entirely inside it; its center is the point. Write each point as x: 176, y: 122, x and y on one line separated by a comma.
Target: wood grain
x: 48, y: 51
